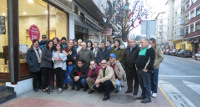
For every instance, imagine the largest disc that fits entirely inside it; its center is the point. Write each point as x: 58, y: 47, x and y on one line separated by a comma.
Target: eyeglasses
x: 103, y: 63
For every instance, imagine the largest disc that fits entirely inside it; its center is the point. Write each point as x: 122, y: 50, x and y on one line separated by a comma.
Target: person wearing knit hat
x: 63, y: 41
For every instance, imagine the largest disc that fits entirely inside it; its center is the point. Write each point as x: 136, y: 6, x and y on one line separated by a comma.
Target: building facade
x: 21, y: 21
x: 192, y: 23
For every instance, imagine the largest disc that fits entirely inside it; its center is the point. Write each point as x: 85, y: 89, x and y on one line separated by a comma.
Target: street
x: 180, y: 79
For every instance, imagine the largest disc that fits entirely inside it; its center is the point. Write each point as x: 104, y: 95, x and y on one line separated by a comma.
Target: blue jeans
x: 144, y: 81
x: 80, y: 82
x: 69, y: 70
x: 154, y: 81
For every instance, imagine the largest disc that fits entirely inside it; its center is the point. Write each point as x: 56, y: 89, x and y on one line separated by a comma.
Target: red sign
x: 107, y: 32
x: 34, y: 32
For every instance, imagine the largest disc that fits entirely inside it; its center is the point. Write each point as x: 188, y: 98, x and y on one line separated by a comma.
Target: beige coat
x: 158, y: 58
x: 119, y: 70
x: 109, y: 75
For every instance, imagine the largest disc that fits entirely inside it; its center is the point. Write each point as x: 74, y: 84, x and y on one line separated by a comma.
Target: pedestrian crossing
x: 195, y: 87
x: 177, y: 97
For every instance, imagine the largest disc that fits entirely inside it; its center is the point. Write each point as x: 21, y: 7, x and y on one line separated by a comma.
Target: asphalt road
x: 180, y: 79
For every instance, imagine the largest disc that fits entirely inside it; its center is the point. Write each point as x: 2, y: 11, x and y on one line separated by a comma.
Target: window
x: 76, y: 9
x: 186, y: 18
x: 4, y: 38
x: 197, y: 26
x: 182, y: 10
x: 191, y: 28
x: 58, y: 23
x: 181, y: 31
x: 186, y: 31
x: 192, y: 14
x: 198, y: 11
x: 182, y: 21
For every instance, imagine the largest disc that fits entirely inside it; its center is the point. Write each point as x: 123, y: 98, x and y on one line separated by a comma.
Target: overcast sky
x: 157, y: 6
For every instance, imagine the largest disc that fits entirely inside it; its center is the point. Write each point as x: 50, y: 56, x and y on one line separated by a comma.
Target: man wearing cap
x: 63, y: 42
x: 118, y: 71
x: 44, y: 41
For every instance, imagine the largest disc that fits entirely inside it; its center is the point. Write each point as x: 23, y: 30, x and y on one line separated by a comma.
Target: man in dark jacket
x: 130, y: 57
x: 44, y: 41
x: 79, y: 74
x: 144, y: 67
x: 103, y: 53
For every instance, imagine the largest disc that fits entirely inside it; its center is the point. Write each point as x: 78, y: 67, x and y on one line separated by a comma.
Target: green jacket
x: 119, y: 53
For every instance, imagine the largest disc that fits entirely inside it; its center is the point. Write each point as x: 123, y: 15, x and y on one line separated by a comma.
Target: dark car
x: 184, y: 53
x: 174, y: 52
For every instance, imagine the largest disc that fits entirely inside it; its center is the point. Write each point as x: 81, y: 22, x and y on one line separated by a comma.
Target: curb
x: 168, y: 99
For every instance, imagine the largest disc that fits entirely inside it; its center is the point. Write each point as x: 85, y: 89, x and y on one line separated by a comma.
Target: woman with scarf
x: 33, y: 58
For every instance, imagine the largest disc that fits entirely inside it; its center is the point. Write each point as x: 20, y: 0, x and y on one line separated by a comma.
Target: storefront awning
x: 92, y: 9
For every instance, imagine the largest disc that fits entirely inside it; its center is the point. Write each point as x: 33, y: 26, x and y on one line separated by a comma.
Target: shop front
x: 182, y: 44
x: 21, y: 21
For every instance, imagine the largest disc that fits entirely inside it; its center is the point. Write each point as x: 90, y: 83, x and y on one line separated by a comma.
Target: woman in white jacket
x: 59, y: 60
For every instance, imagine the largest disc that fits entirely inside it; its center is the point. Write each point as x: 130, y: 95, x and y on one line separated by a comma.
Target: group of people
x: 58, y: 63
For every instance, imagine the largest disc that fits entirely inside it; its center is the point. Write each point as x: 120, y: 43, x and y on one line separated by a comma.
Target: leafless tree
x: 126, y: 15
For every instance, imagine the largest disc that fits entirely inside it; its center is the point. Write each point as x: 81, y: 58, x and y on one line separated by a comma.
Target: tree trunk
x: 124, y: 37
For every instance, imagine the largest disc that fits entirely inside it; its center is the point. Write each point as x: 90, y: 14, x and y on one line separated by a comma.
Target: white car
x: 197, y: 55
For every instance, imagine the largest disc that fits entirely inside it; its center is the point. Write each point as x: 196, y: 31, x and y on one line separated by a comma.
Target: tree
x: 125, y: 15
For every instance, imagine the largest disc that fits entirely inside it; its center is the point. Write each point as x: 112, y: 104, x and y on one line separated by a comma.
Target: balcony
x: 193, y: 34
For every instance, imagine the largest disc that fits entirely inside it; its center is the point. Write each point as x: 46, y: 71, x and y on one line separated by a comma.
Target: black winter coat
x: 131, y: 57
x: 32, y: 60
x: 84, y: 71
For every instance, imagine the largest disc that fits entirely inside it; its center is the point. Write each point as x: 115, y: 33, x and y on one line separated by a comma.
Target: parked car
x: 167, y: 51
x: 174, y: 52
x: 164, y: 51
x: 170, y: 52
x: 184, y: 53
x: 197, y: 55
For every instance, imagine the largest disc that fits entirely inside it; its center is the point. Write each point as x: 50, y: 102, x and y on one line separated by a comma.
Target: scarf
x: 38, y: 54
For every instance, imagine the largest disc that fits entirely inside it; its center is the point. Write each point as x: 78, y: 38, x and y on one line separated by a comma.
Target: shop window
x: 33, y: 18
x: 4, y: 38
x: 58, y: 23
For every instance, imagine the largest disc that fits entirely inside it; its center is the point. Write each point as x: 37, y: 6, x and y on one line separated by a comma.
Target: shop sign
x: 2, y: 25
x: 34, y: 32
x: 107, y: 31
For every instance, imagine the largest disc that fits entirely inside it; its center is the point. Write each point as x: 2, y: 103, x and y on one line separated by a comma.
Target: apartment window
x: 181, y: 31
x: 182, y: 10
x: 192, y: 14
x: 198, y: 11
x: 76, y: 9
x: 191, y: 28
x: 197, y: 26
x: 186, y: 31
x: 186, y: 18
x: 182, y: 21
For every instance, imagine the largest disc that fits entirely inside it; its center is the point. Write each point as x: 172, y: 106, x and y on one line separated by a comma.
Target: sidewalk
x: 73, y: 98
